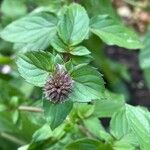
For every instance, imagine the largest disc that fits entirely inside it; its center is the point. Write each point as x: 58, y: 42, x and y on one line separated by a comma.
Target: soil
x: 140, y: 94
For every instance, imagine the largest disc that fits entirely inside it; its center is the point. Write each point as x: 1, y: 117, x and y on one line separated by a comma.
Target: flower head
x: 58, y: 86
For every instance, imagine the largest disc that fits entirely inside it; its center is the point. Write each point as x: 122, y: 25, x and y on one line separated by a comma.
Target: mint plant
x: 56, y: 49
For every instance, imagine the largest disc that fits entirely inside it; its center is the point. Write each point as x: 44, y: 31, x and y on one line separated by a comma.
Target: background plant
x: 37, y: 37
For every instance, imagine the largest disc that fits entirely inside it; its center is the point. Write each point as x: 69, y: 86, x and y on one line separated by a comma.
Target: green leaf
x: 35, y: 29
x: 146, y: 76
x: 25, y: 147
x: 8, y: 92
x: 43, y: 133
x: 35, y: 67
x: 144, y: 57
x: 59, y: 45
x: 114, y: 33
x: 15, y: 116
x: 58, y: 59
x: 74, y: 25
x: 13, y: 8
x: 5, y: 60
x: 99, y: 7
x: 109, y: 105
x: 123, y: 144
x: 128, y: 141
x: 84, y: 110
x: 88, y: 144
x: 80, y: 51
x: 86, y: 59
x: 139, y: 125
x: 55, y: 114
x: 119, y: 124
x: 6, y: 125
x: 25, y: 47
x: 145, y: 54
x: 3, y: 107
x: 94, y: 126
x: 45, y: 138
x: 87, y: 80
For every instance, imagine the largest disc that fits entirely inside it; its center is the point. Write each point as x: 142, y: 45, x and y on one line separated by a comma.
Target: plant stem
x: 31, y: 109
x: 66, y: 57
x: 12, y: 139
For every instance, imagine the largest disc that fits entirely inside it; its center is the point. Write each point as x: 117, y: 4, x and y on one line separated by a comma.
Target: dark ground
x: 137, y: 16
x: 140, y: 94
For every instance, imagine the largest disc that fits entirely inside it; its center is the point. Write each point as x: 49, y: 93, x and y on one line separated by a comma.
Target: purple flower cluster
x: 58, y: 86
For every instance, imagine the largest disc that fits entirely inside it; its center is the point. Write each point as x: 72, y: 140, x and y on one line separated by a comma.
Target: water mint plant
x: 62, y: 92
